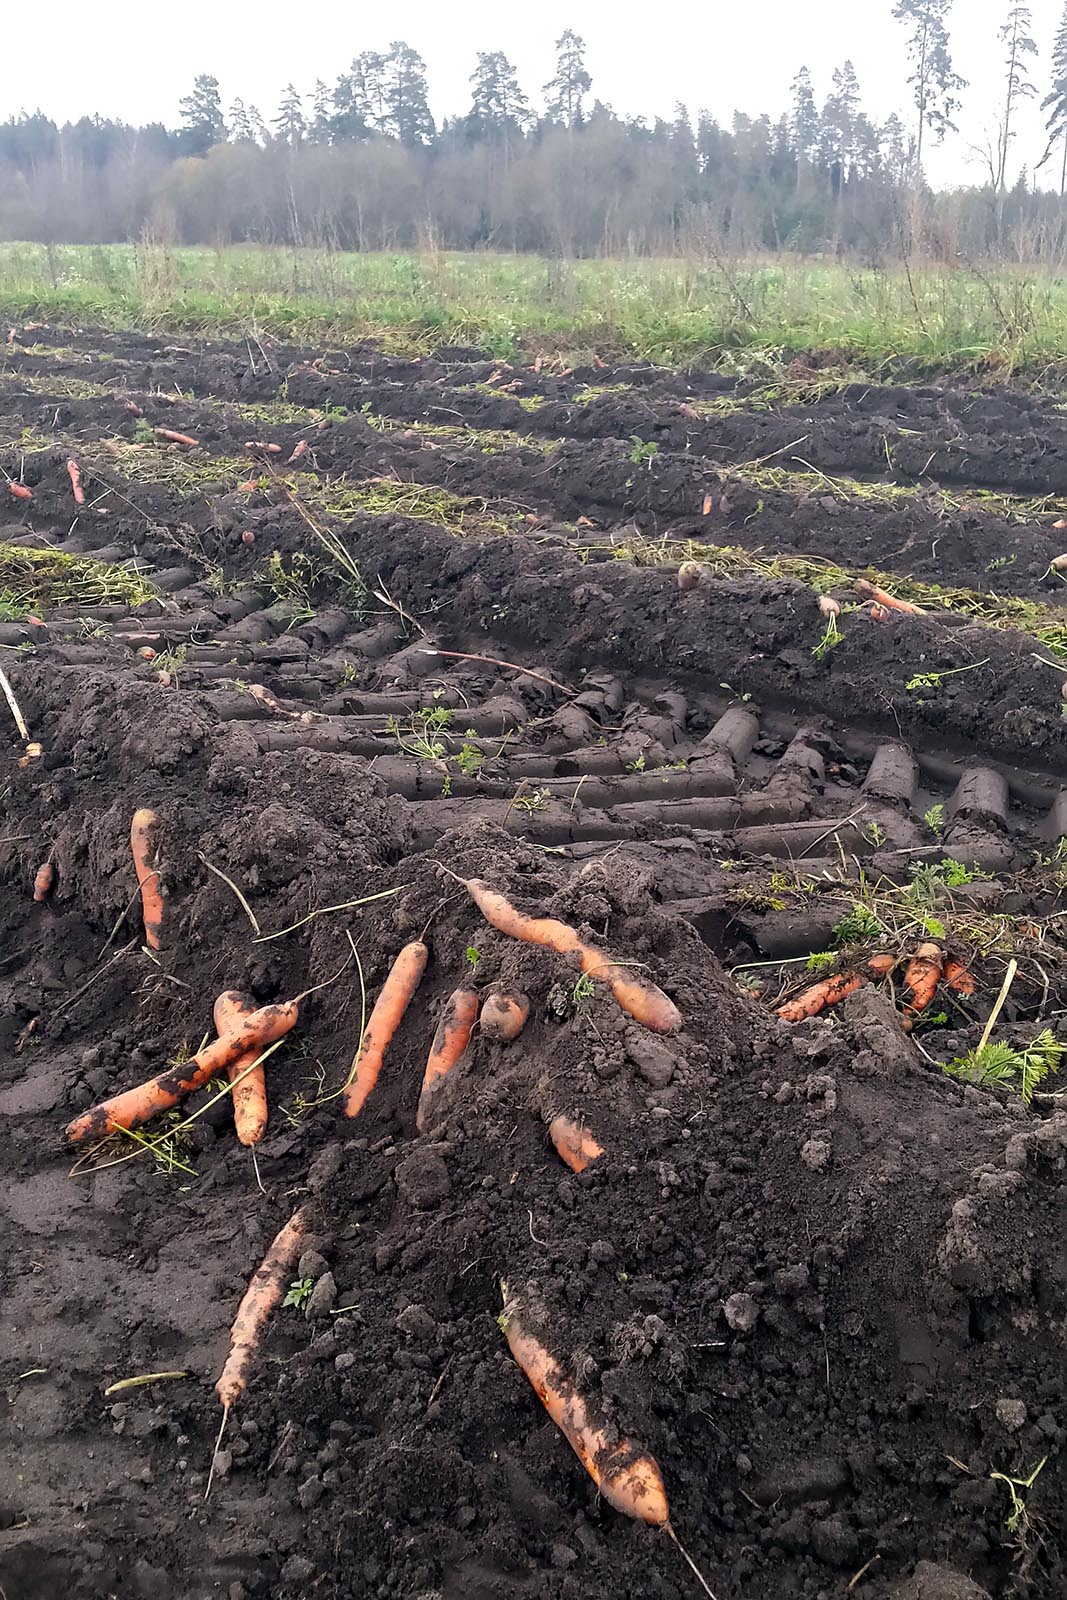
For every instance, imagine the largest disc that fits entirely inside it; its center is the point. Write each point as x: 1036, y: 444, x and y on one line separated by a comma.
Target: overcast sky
x: 123, y: 60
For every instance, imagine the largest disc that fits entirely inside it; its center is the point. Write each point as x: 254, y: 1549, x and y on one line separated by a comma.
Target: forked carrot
x: 957, y: 977
x: 137, y: 1105
x: 74, y: 474
x: 574, y: 1144
x: 922, y: 976
x: 248, y: 1080
x: 504, y: 1016
x: 176, y: 438
x: 144, y: 847
x: 642, y: 1000
x: 882, y: 597
x: 42, y: 883
x: 404, y: 978
x: 449, y: 1042
x: 19, y: 490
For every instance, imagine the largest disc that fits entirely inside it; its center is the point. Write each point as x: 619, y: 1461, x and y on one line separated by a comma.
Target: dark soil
x: 818, y: 1279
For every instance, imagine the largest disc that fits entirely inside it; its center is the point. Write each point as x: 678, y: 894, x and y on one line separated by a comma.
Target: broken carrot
x: 957, y: 977
x: 640, y: 999
x: 261, y: 1297
x: 175, y: 438
x: 299, y: 449
x: 404, y: 978
x: 922, y: 976
x: 449, y: 1042
x: 504, y: 1016
x: 42, y: 883
x: 830, y: 992
x: 134, y: 1106
x: 882, y: 597
x: 143, y: 845
x: 19, y: 490
x: 573, y: 1143
x: 708, y: 506
x: 247, y: 1075
x: 74, y: 474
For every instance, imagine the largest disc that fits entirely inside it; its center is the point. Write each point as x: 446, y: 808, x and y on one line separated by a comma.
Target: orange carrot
x: 246, y: 488
x: 642, y: 1000
x: 404, y: 978
x: 74, y: 473
x: 42, y: 883
x: 261, y: 1297
x: 629, y: 1479
x: 881, y: 597
x: 574, y: 1144
x: 137, y: 1105
x: 708, y: 507
x: 145, y: 852
x: 882, y: 966
x: 19, y: 490
x: 830, y: 992
x: 134, y: 409
x: 957, y: 977
x: 449, y: 1042
x: 261, y: 444
x: 922, y: 976
x: 175, y: 438
x: 248, y: 1079
x: 504, y: 1016
x: 879, y: 613
x: 299, y: 449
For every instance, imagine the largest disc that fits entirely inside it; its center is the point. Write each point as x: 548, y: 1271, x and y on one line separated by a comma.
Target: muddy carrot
x: 404, y: 978
x: 882, y: 966
x: 137, y: 1105
x: 871, y: 591
x: 74, y: 474
x: 248, y: 1080
x: 19, y: 490
x: 922, y: 976
x: 143, y: 845
x: 42, y: 883
x: 573, y: 1143
x: 261, y: 1297
x: 261, y: 444
x: 504, y: 1016
x: 957, y: 977
x: 691, y: 575
x: 830, y: 992
x: 299, y: 449
x: 627, y: 1477
x: 642, y: 1000
x: 175, y: 438
x: 449, y: 1042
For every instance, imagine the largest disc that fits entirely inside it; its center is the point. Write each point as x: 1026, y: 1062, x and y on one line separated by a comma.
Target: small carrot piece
x: 261, y: 1297
x: 504, y: 1016
x: 42, y: 883
x: 261, y: 444
x: 882, y: 597
x: 19, y: 490
x: 299, y: 449
x: 627, y: 1477
x: 642, y: 1000
x: 882, y: 965
x: 74, y: 473
x: 573, y: 1143
x: 249, y: 1081
x: 175, y: 438
x: 922, y: 976
x: 404, y: 978
x: 134, y: 1106
x: 449, y: 1042
x: 143, y: 846
x: 957, y: 977
x: 830, y: 992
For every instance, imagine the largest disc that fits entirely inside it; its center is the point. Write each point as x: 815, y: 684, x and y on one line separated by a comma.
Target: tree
x: 241, y: 129
x: 322, y: 119
x: 1055, y: 102
x: 498, y: 105
x: 840, y: 120
x: 202, y: 114
x: 1016, y: 37
x: 804, y: 122
x: 290, y: 121
x: 348, y: 120
x: 404, y: 94
x: 566, y: 91
x: 936, y: 87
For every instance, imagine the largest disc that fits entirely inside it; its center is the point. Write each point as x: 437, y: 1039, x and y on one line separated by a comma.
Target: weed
x: 31, y: 579
x: 831, y: 636
x: 820, y: 962
x: 934, y: 680
x: 534, y: 800
x: 998, y: 562
x: 1017, y: 1519
x: 350, y: 673
x: 142, y: 433
x: 1001, y: 1066
x: 642, y: 450
x: 469, y: 759
x: 582, y: 992
x: 929, y: 879
x: 875, y: 834
x: 419, y: 735
x: 935, y: 819
x: 473, y: 957
x: 857, y: 926
x: 171, y: 660
x: 299, y: 1293
x: 637, y: 765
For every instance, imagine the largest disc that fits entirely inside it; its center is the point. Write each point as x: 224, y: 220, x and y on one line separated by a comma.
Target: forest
x: 359, y: 164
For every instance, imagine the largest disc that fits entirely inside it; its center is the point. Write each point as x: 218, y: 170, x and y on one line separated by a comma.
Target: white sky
x: 121, y: 60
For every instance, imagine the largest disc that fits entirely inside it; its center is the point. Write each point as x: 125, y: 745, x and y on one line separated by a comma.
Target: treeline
x: 360, y: 164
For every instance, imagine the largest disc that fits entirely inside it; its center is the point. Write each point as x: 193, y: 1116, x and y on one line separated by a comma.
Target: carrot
x: 404, y: 978
x: 299, y: 449
x: 246, y: 488
x: 573, y: 1143
x: 449, y: 1042
x: 175, y: 438
x: 137, y: 1105
x: 957, y: 977
x: 19, y: 490
x: 830, y: 992
x: 882, y: 966
x: 42, y: 883
x: 708, y: 506
x: 922, y: 976
x: 145, y: 852
x: 871, y: 591
x: 691, y: 575
x: 628, y: 1479
x: 249, y: 1081
x: 504, y: 1016
x: 134, y: 409
x: 642, y: 1000
x: 258, y: 1301
x: 261, y: 444
x: 74, y: 473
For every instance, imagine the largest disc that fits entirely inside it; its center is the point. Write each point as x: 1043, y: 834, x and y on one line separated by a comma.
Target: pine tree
x: 1055, y: 102
x: 839, y: 121
x: 498, y: 105
x: 1016, y: 37
x: 566, y: 91
x: 405, y: 96
x: 202, y: 113
x: 321, y: 119
x: 935, y: 85
x: 241, y: 129
x: 804, y: 123
x: 290, y: 121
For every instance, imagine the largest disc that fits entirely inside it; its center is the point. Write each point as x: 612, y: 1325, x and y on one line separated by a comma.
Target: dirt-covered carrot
x: 137, y: 1105
x: 573, y: 1142
x: 261, y: 444
x: 176, y: 438
x: 449, y: 1042
x: 261, y: 1297
x: 249, y: 1079
x: 504, y: 1015
x: 641, y: 999
x: 628, y: 1478
x: 881, y: 965
x: 882, y: 597
x: 74, y: 474
x: 830, y: 992
x: 299, y: 449
x: 922, y: 976
x: 19, y: 490
x: 42, y: 883
x: 404, y: 978
x: 957, y: 977
x: 145, y: 850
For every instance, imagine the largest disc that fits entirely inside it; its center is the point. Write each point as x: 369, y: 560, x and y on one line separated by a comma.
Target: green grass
x: 667, y: 310
x: 31, y: 580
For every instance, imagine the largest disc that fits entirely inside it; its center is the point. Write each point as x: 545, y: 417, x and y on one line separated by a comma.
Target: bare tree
x: 1016, y: 37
